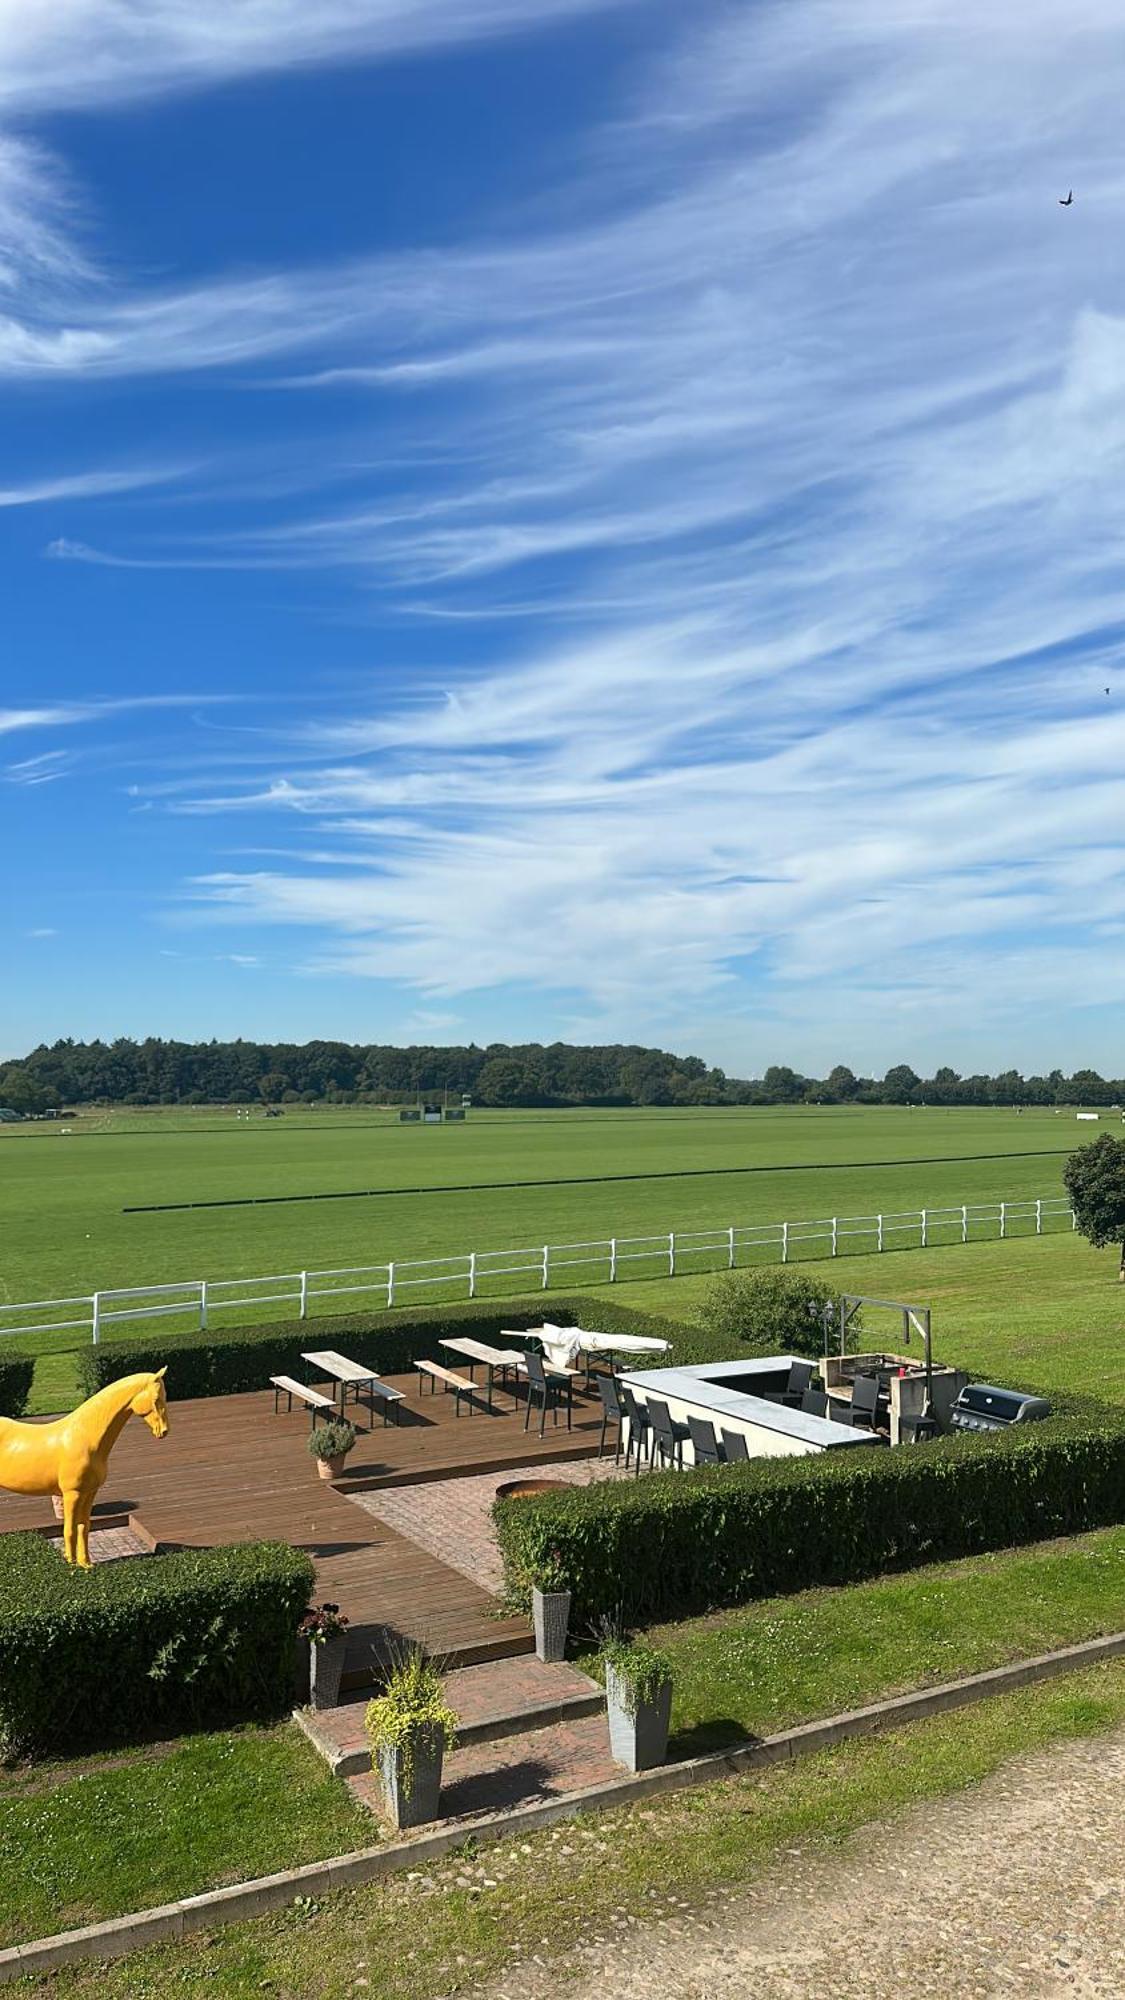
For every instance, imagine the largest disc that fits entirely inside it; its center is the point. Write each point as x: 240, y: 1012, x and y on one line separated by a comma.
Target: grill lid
x: 1002, y: 1406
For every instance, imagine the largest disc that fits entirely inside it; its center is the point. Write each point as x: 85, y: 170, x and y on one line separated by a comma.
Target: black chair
x: 734, y: 1447
x: 704, y: 1443
x: 639, y: 1438
x: 613, y: 1412
x: 543, y: 1388
x: 800, y: 1376
x: 668, y: 1437
x: 865, y: 1402
x: 815, y: 1403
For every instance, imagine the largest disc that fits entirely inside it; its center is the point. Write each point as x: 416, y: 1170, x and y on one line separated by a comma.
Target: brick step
x: 495, y: 1700
x: 485, y: 1777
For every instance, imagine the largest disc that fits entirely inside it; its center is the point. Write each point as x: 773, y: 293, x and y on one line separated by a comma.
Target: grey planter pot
x: 639, y: 1741
x: 550, y: 1612
x: 326, y: 1667
x: 421, y: 1804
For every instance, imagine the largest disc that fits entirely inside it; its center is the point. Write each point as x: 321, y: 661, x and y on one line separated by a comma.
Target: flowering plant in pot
x: 638, y: 1691
x: 550, y: 1605
x: 410, y: 1726
x: 330, y: 1444
x: 325, y: 1627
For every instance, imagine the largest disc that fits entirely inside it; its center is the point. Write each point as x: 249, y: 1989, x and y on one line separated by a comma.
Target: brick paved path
x: 111, y: 1544
x: 517, y: 1770
x: 1013, y: 1890
x: 451, y: 1518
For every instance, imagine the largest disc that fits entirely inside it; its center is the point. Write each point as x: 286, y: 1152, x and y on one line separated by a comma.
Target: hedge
x: 673, y: 1544
x: 152, y: 1646
x: 16, y: 1371
x: 230, y: 1361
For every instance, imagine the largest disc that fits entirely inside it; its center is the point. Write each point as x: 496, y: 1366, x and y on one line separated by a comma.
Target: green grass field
x: 502, y: 1180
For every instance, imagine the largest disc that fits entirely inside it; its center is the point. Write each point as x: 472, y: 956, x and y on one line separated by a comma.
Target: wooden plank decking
x: 231, y: 1471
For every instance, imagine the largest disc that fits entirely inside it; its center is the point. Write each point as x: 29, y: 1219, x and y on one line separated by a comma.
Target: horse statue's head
x: 149, y: 1403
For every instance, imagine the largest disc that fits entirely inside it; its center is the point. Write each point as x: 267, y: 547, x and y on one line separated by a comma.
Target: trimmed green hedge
x: 672, y: 1544
x: 16, y: 1371
x: 229, y: 1361
x: 152, y: 1646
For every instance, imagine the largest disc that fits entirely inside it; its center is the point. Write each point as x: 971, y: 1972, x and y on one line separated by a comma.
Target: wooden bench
x: 284, y: 1385
x: 455, y: 1385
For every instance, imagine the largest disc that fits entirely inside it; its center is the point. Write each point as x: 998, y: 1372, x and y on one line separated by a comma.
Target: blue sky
x: 565, y: 520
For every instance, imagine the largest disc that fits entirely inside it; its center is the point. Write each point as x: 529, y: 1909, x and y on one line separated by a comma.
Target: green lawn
x: 63, y: 1189
x: 457, y: 1923
x: 83, y: 1842
x: 1045, y: 1311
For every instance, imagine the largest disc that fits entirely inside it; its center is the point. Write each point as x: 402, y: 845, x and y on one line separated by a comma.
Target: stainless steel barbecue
x: 983, y: 1407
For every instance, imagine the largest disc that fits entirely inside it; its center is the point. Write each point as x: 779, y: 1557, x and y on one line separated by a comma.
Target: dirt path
x: 1015, y: 1888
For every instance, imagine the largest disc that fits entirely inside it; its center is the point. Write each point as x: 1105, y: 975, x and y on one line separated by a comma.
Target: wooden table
x: 352, y: 1374
x: 506, y: 1359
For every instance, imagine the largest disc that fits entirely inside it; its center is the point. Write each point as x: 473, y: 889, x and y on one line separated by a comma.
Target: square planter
x: 326, y: 1667
x: 639, y: 1740
x: 550, y: 1613
x: 421, y: 1804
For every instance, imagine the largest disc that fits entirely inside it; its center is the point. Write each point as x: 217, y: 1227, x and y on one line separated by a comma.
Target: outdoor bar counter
x: 731, y: 1395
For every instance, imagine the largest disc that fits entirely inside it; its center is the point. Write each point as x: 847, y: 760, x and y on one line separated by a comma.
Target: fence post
x: 835, y: 1219
x: 879, y: 1244
x: 390, y: 1284
x: 613, y: 1260
x: 1073, y: 1220
x: 1002, y: 1221
x: 472, y: 1274
x: 96, y: 1317
x: 730, y: 1248
x: 1039, y: 1218
x: 785, y: 1243
x: 546, y: 1265
x: 964, y: 1222
x: 303, y: 1309
x: 671, y: 1253
x: 923, y: 1244
x: 203, y: 1306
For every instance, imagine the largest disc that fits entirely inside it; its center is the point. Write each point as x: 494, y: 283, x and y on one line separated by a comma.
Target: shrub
x: 158, y: 1645
x: 229, y: 1361
x: 642, y: 1670
x: 16, y: 1371
x: 673, y: 1544
x: 332, y: 1440
x: 773, y: 1311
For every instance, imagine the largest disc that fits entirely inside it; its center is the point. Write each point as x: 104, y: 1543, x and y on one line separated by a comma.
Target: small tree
x: 1094, y: 1178
x: 772, y: 1311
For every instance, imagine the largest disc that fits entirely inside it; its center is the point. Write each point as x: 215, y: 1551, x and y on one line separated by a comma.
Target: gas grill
x: 982, y: 1407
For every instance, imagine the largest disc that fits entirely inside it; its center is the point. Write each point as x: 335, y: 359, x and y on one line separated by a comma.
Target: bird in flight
x: 1069, y: 199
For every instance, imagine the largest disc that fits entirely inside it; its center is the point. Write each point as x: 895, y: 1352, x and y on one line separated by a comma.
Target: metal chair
x: 668, y: 1437
x: 734, y: 1447
x: 542, y: 1386
x: 613, y: 1412
x: 704, y: 1443
x: 639, y: 1437
x: 815, y: 1403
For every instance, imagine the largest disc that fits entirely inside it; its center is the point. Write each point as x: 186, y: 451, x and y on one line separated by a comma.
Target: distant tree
x: 900, y: 1085
x: 1094, y: 1178
x: 841, y: 1083
x: 272, y: 1086
x: 773, y: 1312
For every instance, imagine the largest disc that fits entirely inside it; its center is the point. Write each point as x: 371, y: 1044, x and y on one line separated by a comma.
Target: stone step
x: 497, y: 1699
x: 544, y: 1763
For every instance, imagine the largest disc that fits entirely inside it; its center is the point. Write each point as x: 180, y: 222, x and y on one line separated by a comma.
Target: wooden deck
x: 231, y: 1471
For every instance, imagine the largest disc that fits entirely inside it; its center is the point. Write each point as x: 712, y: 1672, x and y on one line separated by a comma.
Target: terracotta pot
x: 331, y: 1468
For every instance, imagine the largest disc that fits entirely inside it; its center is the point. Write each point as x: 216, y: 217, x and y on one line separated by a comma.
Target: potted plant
x: 550, y: 1606
x: 326, y: 1629
x: 638, y: 1691
x: 410, y: 1726
x: 330, y: 1444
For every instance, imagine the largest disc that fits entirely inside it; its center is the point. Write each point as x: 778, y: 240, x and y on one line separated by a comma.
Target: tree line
x: 502, y: 1074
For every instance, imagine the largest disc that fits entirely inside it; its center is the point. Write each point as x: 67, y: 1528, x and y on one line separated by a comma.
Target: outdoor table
x: 352, y: 1374
x: 506, y: 1359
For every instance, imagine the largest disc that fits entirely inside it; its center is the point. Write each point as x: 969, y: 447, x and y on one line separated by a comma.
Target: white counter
x: 722, y: 1393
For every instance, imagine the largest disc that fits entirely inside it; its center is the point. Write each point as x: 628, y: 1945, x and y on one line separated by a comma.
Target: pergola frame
x: 914, y: 1318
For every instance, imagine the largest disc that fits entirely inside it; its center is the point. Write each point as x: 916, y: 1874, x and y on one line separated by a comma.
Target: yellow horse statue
x: 71, y: 1456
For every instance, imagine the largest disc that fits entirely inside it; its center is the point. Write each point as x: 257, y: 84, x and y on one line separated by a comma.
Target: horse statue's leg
x: 70, y: 1525
x: 82, y: 1525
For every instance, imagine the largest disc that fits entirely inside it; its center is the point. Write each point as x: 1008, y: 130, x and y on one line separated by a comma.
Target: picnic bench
x: 284, y: 1385
x: 454, y: 1384
x: 353, y: 1375
x: 502, y: 1361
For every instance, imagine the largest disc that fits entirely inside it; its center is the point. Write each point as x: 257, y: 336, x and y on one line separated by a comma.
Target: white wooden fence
x: 491, y: 1272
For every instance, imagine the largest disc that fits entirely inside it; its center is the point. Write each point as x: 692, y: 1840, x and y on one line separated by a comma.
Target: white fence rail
x: 198, y: 1300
